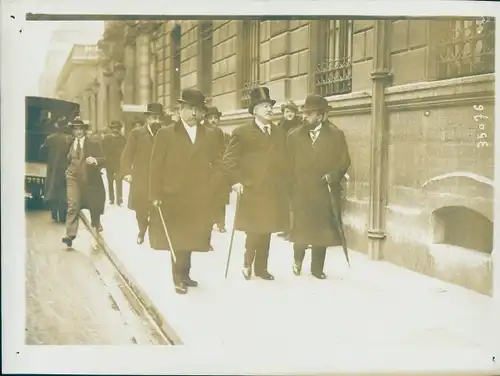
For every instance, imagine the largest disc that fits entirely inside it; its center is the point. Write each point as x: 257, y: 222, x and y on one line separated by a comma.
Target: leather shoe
x: 188, y: 282
x: 266, y: 275
x: 181, y: 289
x: 297, y: 269
x: 111, y: 202
x: 247, y: 273
x: 68, y: 240
x: 319, y: 275
x: 140, y: 239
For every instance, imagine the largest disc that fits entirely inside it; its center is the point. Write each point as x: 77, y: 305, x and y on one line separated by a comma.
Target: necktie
x: 314, y: 135
x: 78, y: 148
x: 267, y: 131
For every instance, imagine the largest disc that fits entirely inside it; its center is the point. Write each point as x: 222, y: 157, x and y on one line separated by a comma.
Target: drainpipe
x: 380, y: 76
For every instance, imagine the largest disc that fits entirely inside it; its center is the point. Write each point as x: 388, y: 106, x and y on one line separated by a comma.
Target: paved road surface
x: 66, y: 300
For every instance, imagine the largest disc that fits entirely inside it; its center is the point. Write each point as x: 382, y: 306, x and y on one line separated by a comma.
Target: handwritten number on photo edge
x: 482, y: 144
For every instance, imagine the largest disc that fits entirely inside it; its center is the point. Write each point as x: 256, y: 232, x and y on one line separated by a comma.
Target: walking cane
x: 233, y: 230
x: 166, y: 233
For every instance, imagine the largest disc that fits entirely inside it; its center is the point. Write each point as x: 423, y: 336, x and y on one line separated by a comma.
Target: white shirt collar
x: 191, y: 131
x: 79, y: 140
x: 262, y: 126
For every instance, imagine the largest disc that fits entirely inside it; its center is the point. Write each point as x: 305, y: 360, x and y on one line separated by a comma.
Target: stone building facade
x: 415, y: 98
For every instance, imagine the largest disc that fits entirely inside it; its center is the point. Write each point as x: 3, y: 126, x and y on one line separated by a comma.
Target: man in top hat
x: 113, y: 144
x: 290, y: 118
x: 135, y: 166
x: 55, y: 151
x: 255, y: 161
x: 318, y: 155
x: 186, y: 171
x: 212, y: 118
x: 84, y: 185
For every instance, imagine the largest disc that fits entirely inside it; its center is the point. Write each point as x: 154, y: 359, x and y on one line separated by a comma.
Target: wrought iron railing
x: 334, y: 77
x: 245, y: 93
x: 465, y: 48
x: 250, y: 59
x: 205, y: 56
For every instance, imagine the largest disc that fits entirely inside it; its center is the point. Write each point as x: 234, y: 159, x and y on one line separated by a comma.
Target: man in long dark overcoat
x: 186, y: 171
x: 135, y: 165
x: 318, y: 156
x: 255, y: 161
x: 212, y: 118
x: 113, y: 144
x: 55, y: 151
x: 84, y: 185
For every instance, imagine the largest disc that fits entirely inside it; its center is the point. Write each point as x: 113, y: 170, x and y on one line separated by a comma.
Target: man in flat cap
x: 318, y: 155
x: 255, y: 161
x: 135, y: 166
x: 186, y: 171
x: 212, y: 118
x: 113, y: 144
x: 84, y: 185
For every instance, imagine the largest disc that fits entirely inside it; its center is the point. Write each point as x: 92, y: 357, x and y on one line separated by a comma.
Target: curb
x: 135, y: 293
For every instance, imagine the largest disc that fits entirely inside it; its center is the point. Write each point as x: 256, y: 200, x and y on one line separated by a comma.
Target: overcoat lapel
x: 190, y: 148
x: 321, y: 142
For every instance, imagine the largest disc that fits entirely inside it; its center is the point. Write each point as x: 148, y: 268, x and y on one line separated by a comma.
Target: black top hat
x: 77, y: 122
x: 116, y: 124
x: 290, y: 105
x: 315, y: 102
x: 192, y: 97
x: 259, y: 95
x: 212, y: 110
x: 154, y: 109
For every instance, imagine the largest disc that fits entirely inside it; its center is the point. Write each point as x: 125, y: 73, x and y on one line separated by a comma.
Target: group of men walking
x: 181, y: 175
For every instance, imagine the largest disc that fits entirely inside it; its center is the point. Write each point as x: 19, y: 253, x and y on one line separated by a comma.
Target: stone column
x: 129, y: 81
x: 143, y: 66
x: 379, y: 129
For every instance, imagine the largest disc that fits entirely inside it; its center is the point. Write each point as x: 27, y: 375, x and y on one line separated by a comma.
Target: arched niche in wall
x: 461, y: 210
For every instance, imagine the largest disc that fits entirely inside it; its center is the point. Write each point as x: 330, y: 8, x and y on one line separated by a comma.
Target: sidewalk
x: 374, y: 304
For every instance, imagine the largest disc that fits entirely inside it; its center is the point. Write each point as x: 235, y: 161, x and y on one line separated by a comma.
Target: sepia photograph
x: 314, y: 183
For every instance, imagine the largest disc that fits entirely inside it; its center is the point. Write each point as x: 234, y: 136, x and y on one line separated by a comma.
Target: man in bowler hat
x: 186, y: 171
x: 318, y: 156
x: 113, y: 144
x: 255, y: 161
x: 135, y: 166
x: 84, y: 185
x: 212, y: 118
x: 55, y: 151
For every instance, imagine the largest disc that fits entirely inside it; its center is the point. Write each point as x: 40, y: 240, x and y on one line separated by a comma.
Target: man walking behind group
x: 85, y: 188
x: 212, y: 118
x: 319, y: 156
x: 255, y: 161
x: 55, y: 151
x: 113, y: 144
x: 135, y: 166
x: 186, y: 171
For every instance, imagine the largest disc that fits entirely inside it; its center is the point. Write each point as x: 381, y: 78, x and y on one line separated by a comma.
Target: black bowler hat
x: 77, y: 122
x: 290, y: 105
x: 259, y: 95
x: 212, y: 110
x: 154, y: 109
x: 315, y: 102
x: 192, y: 97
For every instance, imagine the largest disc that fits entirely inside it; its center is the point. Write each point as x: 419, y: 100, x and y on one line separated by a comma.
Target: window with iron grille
x: 175, y: 72
x: 465, y: 47
x: 333, y: 74
x: 250, y: 59
x: 205, y: 46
